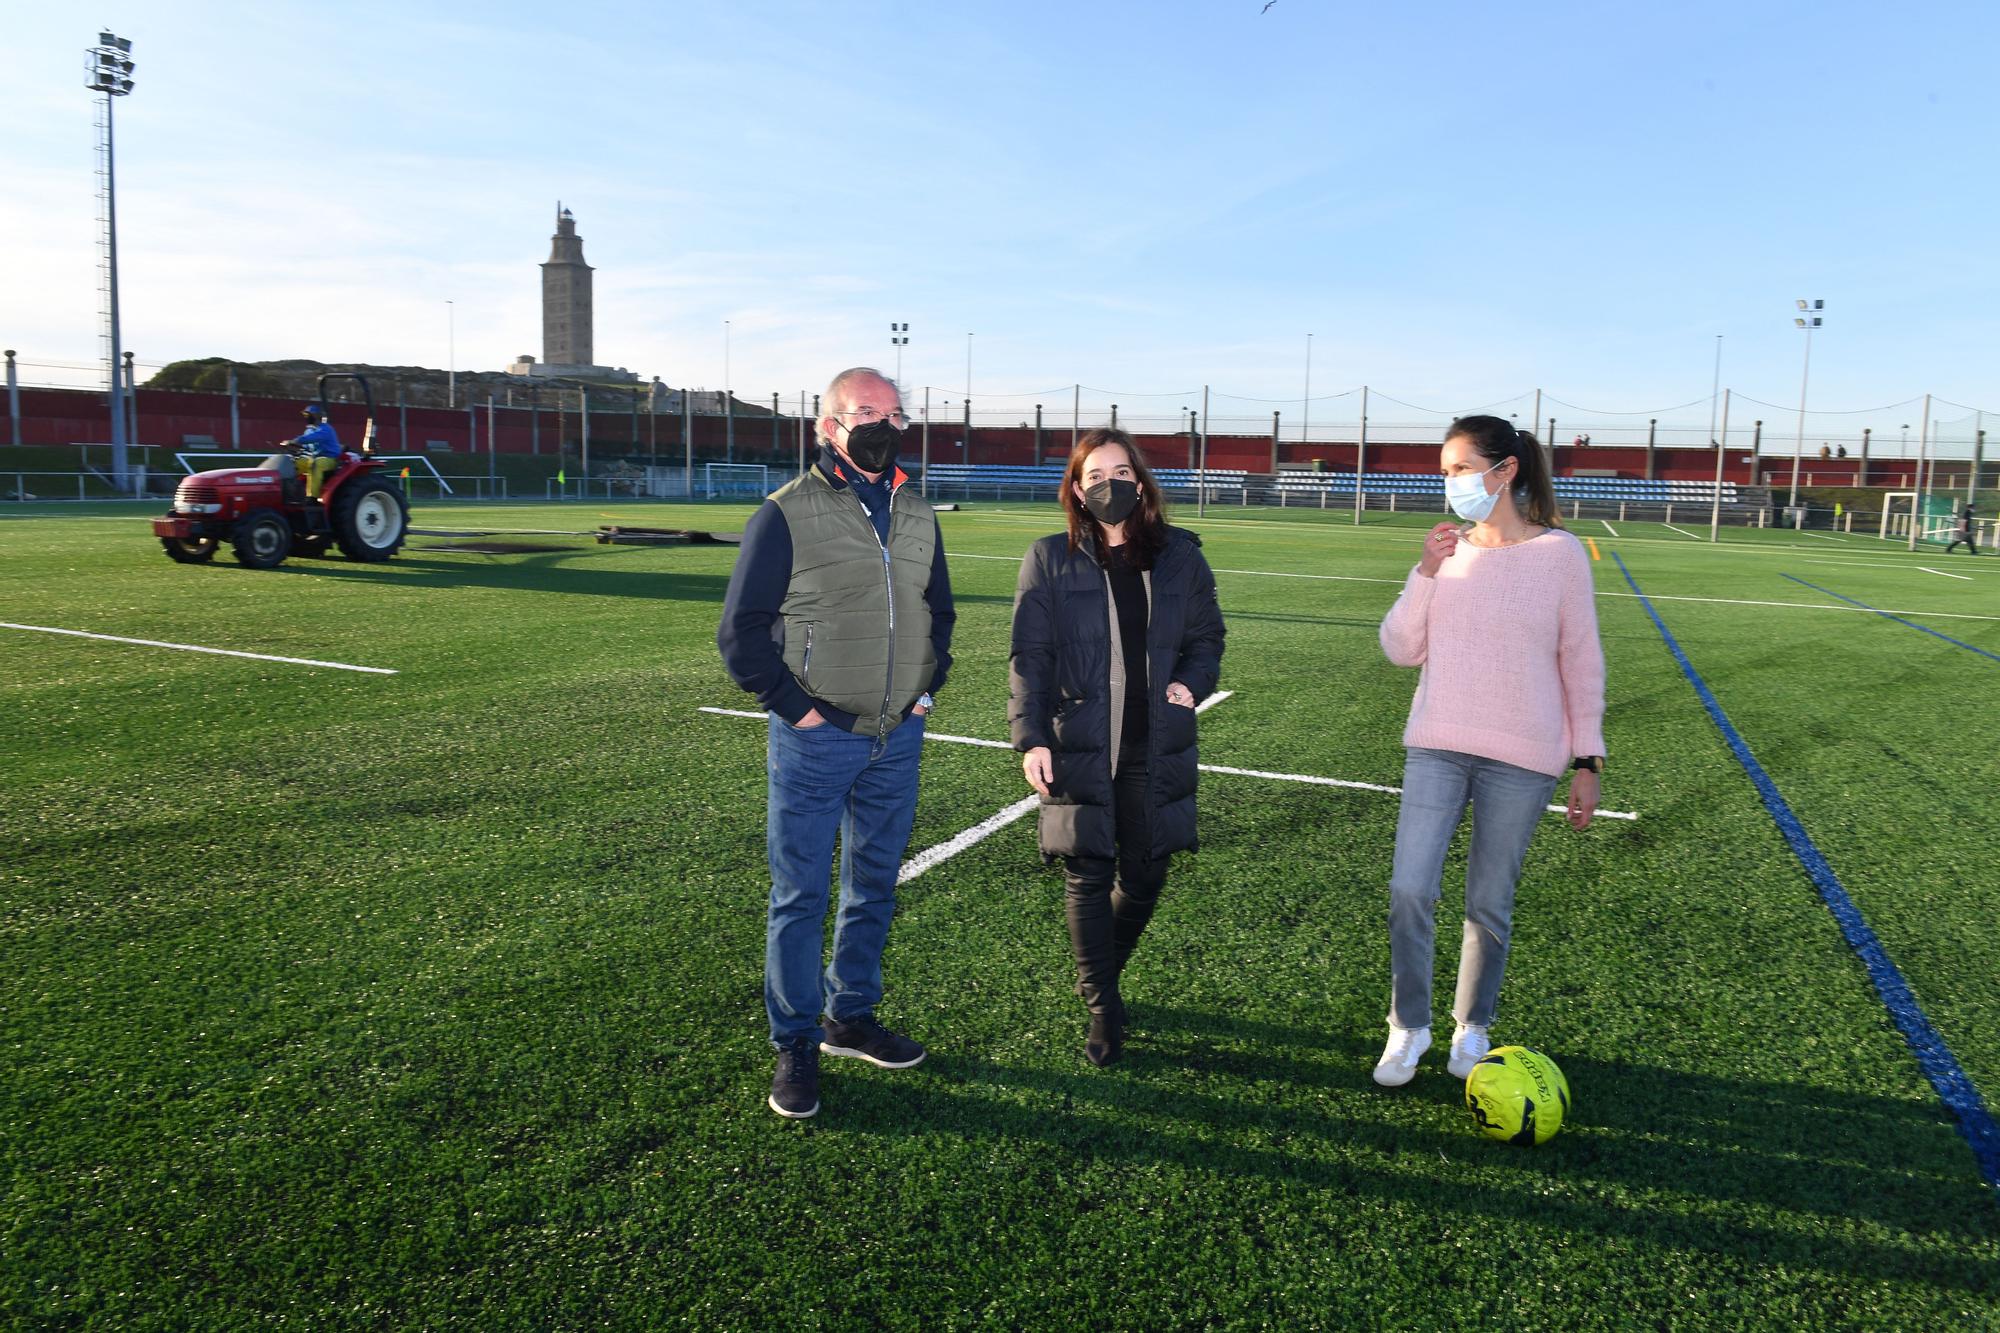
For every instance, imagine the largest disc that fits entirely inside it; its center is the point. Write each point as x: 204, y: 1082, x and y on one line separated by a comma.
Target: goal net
x: 1934, y: 516
x: 735, y: 481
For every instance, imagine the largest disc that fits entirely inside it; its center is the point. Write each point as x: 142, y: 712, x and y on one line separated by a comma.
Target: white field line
x: 1658, y: 597
x: 1940, y: 573
x: 1366, y: 786
x: 197, y: 648
x: 1822, y: 536
x: 1682, y: 531
x: 985, y: 828
x: 1607, y: 527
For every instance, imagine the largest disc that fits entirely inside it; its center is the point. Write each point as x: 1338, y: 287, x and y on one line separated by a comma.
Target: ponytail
x: 1496, y: 441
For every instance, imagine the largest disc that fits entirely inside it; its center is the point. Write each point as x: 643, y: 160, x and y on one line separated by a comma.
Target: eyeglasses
x: 868, y: 414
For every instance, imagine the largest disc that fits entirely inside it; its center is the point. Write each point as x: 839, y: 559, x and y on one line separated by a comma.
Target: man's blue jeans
x: 1507, y: 805
x: 824, y: 780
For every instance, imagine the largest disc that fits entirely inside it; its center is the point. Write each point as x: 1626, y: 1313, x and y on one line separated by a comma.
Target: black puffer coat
x: 1060, y: 681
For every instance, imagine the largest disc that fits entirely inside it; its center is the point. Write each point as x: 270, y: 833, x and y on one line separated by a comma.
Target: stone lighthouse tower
x: 566, y: 314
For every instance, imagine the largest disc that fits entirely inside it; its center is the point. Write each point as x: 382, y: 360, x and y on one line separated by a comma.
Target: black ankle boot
x: 1105, y: 1042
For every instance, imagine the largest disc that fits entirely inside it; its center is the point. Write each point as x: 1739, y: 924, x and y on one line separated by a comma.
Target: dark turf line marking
x: 1953, y: 1087
x: 1888, y: 614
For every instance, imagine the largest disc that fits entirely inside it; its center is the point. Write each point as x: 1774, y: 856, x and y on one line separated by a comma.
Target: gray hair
x: 830, y: 404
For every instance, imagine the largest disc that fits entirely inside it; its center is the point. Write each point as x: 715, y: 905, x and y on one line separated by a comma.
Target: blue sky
x: 1461, y: 202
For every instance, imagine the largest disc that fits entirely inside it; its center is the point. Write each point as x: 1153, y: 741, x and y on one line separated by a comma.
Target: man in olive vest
x: 838, y: 618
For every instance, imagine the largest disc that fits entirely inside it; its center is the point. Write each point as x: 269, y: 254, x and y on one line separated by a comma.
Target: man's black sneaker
x: 795, y: 1087
x: 865, y: 1039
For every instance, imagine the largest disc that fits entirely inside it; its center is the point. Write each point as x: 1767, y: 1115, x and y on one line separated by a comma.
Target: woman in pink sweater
x: 1502, y: 618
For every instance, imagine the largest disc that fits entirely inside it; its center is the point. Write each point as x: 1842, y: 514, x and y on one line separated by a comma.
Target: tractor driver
x: 318, y: 447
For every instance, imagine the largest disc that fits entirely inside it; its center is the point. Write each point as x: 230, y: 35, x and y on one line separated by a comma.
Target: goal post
x: 735, y: 481
x: 1897, y: 507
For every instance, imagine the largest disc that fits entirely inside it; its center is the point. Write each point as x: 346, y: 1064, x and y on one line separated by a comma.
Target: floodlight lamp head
x: 1799, y: 322
x: 1801, y: 303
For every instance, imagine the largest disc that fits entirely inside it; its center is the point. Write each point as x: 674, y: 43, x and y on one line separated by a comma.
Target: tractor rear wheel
x: 189, y: 550
x: 262, y: 540
x: 370, y: 519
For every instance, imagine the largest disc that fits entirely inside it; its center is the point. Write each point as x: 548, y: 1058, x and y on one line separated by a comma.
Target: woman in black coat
x: 1117, y: 636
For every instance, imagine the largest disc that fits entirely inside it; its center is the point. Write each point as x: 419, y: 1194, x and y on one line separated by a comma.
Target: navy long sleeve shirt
x: 757, y: 588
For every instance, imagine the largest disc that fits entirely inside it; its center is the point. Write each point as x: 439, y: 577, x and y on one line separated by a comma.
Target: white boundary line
x: 1942, y: 574
x: 197, y: 648
x: 1607, y: 526
x: 1821, y: 535
x: 1682, y: 531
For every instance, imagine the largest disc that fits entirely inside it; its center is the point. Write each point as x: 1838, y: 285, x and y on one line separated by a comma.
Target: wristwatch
x: 925, y: 702
x: 1593, y: 762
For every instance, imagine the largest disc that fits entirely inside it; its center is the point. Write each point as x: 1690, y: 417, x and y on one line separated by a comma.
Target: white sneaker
x: 1398, y: 1064
x: 1469, y: 1045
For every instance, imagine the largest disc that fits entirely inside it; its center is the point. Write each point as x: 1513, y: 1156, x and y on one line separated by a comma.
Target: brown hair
x: 1145, y: 527
x: 1496, y: 441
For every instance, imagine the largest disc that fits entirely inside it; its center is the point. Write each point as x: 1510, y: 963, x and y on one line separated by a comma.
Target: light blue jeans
x: 1507, y: 803
x: 825, y: 781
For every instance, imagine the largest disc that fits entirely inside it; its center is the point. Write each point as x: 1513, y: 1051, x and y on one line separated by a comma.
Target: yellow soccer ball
x: 1517, y: 1096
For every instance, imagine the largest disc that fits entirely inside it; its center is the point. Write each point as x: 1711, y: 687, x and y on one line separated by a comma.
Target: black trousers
x: 1109, y: 900
x: 1967, y: 542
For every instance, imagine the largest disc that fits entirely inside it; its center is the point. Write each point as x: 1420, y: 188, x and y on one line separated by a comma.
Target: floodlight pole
x: 924, y: 485
x: 110, y: 71
x: 1715, y: 387
x: 1306, y: 403
x: 1809, y: 320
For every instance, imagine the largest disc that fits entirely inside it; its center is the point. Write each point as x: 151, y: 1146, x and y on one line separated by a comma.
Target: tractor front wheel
x: 189, y: 550
x: 370, y: 519
x: 263, y: 539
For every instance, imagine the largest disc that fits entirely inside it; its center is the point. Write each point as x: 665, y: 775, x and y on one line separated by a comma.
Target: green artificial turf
x: 336, y: 1000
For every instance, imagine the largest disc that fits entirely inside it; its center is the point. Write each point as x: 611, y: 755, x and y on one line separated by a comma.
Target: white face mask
x: 1468, y: 497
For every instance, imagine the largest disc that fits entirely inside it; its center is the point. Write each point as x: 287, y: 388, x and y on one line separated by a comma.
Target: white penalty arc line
x: 1944, y: 574
x: 197, y: 648
x: 1607, y: 526
x: 1682, y: 531
x: 979, y: 832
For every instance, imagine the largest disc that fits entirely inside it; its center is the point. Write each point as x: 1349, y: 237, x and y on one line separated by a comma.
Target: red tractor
x: 263, y: 512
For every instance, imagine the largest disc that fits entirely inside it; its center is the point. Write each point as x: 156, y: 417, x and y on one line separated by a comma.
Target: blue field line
x: 1975, y: 1122
x: 1888, y: 614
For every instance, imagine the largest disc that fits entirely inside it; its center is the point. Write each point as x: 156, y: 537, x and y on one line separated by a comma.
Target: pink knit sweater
x: 1507, y: 639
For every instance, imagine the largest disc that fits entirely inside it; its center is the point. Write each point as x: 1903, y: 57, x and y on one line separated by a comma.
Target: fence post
x: 728, y: 426
x: 1978, y: 456
x: 235, y: 417
x: 492, y: 442
x: 1652, y: 433
x: 1361, y: 455
x: 775, y: 437
x: 1274, y: 452
x: 965, y: 449
x: 1201, y: 471
x: 1721, y: 453
x: 925, y: 488
x: 1075, y: 413
x: 1038, y: 434
x: 14, y: 396
x: 583, y: 411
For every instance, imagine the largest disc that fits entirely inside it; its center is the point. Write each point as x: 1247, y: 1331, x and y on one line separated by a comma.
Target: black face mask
x: 872, y: 447
x: 1111, y: 501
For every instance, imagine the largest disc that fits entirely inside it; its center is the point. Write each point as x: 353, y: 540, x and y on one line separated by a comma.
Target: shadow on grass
x: 569, y: 572
x: 1699, y: 1163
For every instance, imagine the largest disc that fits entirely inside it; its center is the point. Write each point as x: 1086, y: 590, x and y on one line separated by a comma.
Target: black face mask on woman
x: 873, y: 447
x: 1111, y: 501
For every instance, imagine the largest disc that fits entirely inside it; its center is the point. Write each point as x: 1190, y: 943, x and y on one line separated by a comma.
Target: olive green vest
x: 857, y: 630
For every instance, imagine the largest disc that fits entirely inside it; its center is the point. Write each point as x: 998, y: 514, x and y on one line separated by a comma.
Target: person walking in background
x: 1117, y: 635
x: 838, y: 618
x: 1501, y: 617
x: 1964, y: 532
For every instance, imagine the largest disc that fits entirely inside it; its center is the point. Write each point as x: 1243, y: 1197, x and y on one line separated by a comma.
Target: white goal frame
x: 734, y: 479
